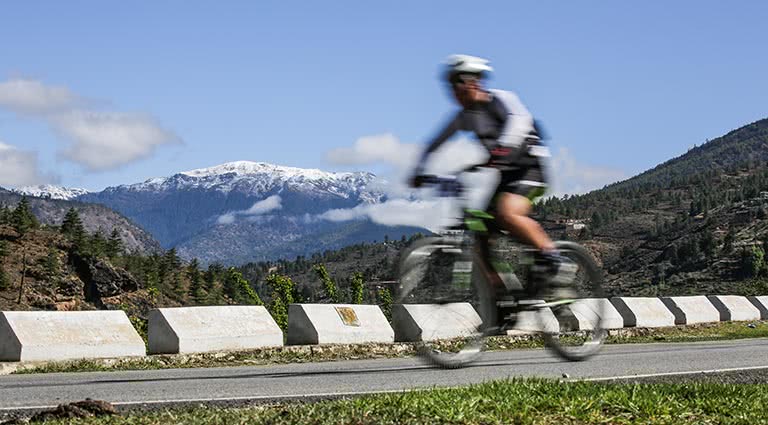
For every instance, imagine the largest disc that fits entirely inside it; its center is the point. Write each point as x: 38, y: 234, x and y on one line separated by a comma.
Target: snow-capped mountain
x: 247, y: 211
x: 253, y: 178
x: 52, y: 192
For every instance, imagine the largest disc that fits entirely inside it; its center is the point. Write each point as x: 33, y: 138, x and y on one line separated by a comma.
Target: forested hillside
x: 62, y: 266
x: 694, y: 224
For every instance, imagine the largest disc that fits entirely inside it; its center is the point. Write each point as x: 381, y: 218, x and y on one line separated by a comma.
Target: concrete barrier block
x: 529, y: 322
x: 734, y: 308
x: 587, y: 312
x: 428, y: 322
x: 692, y: 309
x: 67, y: 335
x: 761, y: 303
x: 643, y: 312
x: 337, y: 324
x: 211, y: 328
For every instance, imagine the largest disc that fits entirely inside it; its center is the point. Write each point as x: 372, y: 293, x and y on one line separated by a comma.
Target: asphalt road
x: 146, y: 389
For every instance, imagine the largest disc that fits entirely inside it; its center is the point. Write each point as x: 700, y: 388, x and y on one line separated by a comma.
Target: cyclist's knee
x: 510, y: 205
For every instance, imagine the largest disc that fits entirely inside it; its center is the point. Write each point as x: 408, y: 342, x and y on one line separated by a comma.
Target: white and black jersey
x: 508, y: 132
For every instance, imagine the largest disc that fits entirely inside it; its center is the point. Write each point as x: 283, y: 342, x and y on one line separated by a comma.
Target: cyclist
x: 507, y: 130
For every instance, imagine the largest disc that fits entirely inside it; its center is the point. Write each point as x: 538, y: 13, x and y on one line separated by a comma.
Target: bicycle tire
x: 451, y: 335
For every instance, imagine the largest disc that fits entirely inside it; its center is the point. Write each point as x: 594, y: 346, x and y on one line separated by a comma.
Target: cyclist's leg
x: 513, y: 204
x: 513, y: 213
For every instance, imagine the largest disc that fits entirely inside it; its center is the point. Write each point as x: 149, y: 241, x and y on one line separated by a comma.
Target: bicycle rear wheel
x: 573, y: 321
x: 440, y: 305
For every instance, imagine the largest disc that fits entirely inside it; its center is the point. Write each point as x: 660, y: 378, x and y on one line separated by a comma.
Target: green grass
x: 531, y: 401
x: 304, y: 354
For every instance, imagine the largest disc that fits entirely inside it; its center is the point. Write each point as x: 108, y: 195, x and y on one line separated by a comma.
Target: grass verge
x: 530, y: 401
x: 304, y: 354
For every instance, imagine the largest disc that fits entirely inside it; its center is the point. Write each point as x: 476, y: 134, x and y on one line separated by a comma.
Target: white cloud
x: 569, y: 176
x: 226, y: 219
x: 401, y: 158
x: 274, y: 202
x: 388, y: 149
x: 384, y: 148
x: 98, y: 140
x: 19, y: 168
x: 35, y: 98
x: 264, y: 206
x: 430, y: 214
x: 106, y: 140
x: 406, y: 206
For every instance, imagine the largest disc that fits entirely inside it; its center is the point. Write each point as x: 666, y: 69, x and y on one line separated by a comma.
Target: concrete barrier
x: 643, y: 312
x: 211, y: 328
x: 428, y: 322
x: 762, y: 304
x: 529, y: 322
x: 734, y: 308
x: 587, y: 311
x: 67, y: 335
x: 692, y: 309
x: 337, y: 324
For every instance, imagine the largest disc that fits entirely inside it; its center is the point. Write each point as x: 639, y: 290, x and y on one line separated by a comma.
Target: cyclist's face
x: 467, y: 92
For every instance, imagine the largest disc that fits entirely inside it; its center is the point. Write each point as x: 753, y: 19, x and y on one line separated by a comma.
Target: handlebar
x: 448, y: 186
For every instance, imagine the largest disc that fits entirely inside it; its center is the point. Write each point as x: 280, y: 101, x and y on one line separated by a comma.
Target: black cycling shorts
x: 528, y: 180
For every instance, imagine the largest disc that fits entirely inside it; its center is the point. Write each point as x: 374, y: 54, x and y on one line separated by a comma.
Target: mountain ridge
x: 186, y: 209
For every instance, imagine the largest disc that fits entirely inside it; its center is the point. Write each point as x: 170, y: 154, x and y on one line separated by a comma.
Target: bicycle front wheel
x: 440, y: 305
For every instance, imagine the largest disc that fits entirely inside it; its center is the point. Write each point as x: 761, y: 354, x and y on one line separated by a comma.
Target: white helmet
x: 464, y: 64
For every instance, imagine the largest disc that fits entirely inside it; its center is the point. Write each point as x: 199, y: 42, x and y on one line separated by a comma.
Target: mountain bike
x: 448, y: 284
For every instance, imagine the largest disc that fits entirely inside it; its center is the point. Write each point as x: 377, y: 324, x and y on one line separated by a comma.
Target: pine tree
x: 22, y: 218
x: 357, y: 285
x: 329, y: 285
x: 51, y: 263
x: 114, y: 245
x: 752, y: 261
x: 97, y: 245
x: 597, y: 220
x: 172, y: 259
x: 708, y: 244
x: 282, y: 295
x: 385, y: 301
x: 72, y: 228
x: 5, y: 215
x: 283, y: 287
x: 177, y: 285
x: 210, y: 278
x: 232, y: 285
x: 195, y: 282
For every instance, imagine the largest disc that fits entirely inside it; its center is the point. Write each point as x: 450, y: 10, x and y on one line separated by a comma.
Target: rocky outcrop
x: 102, y: 279
x: 107, y: 281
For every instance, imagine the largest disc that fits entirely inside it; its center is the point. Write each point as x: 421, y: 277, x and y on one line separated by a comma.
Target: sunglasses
x: 462, y: 79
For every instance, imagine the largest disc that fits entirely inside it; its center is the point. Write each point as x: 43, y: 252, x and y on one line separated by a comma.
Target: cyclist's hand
x: 416, y: 181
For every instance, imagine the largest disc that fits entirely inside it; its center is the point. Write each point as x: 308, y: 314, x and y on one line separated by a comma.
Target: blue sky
x: 620, y: 86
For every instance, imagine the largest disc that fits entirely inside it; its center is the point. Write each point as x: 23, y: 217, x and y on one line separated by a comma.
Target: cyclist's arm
x: 519, y: 124
x: 449, y: 130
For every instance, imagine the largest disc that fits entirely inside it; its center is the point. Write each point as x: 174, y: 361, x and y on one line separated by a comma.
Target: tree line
x: 170, y: 280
